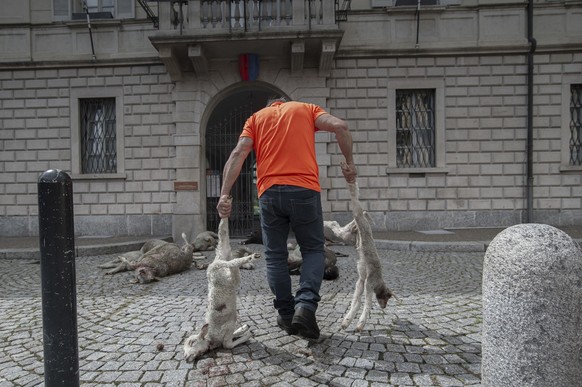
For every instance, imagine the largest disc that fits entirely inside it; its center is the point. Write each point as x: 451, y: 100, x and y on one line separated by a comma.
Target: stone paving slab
x: 430, y: 337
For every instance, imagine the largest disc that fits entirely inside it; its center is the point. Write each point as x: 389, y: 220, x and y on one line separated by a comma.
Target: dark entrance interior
x: 223, y: 130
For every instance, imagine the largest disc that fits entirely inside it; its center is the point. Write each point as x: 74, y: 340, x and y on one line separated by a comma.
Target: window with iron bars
x: 98, y: 136
x: 415, y: 128
x: 576, y: 125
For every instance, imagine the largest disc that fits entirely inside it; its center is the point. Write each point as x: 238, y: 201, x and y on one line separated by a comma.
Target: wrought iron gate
x: 221, y: 138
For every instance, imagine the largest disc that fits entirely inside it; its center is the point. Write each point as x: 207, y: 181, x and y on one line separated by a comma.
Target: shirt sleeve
x: 247, y: 131
x: 317, y: 112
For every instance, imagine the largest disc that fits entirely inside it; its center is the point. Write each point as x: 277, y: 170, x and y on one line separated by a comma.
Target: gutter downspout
x: 529, y: 146
x: 417, y: 23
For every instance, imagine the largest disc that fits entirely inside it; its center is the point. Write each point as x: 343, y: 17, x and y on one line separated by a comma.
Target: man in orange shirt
x: 283, y: 138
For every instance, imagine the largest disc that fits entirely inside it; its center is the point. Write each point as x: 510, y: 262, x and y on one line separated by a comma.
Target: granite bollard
x: 532, y: 309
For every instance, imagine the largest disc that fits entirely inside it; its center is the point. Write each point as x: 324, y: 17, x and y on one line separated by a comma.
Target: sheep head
x: 197, y: 345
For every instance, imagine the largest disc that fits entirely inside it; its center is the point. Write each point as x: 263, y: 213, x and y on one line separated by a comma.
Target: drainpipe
x: 417, y: 23
x: 530, y: 63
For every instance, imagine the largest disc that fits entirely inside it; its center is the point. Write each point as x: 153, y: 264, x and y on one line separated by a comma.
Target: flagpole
x: 94, y: 58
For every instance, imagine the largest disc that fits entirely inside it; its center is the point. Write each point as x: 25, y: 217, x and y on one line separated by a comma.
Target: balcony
x: 193, y: 33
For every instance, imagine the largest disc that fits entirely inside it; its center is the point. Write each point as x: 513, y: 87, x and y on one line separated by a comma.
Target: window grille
x: 576, y: 125
x: 415, y: 128
x: 98, y: 136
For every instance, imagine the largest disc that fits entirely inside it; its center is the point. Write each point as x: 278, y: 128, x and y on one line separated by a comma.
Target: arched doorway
x: 223, y: 130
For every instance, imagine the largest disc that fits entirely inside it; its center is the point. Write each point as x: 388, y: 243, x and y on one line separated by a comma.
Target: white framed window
x: 416, y: 126
x: 97, y: 141
x: 571, y: 124
x: 98, y: 9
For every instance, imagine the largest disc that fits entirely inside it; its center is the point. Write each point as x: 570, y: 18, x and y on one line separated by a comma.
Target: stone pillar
x: 532, y: 309
x: 188, y: 216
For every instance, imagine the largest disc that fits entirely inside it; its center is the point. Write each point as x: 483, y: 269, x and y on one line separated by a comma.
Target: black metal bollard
x: 57, y: 268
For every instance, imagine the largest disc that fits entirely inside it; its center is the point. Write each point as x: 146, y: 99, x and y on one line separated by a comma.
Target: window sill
x: 571, y: 168
x: 83, y: 23
x: 413, y: 171
x: 103, y: 176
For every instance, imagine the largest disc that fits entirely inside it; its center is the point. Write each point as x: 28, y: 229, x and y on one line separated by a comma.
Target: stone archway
x: 222, y: 132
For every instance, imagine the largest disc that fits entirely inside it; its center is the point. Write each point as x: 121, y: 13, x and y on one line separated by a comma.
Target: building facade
x: 464, y: 113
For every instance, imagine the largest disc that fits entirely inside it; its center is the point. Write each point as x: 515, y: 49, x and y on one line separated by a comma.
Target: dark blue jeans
x: 284, y: 207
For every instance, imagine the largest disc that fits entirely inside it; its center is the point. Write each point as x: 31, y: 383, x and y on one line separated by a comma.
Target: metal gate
x: 221, y: 138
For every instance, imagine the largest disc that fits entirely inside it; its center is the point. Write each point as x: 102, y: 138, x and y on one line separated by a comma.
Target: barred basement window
x: 98, y: 136
x: 415, y: 128
x: 576, y: 125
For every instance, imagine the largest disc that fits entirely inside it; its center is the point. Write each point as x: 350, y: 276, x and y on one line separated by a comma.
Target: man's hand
x: 349, y: 171
x: 224, y: 206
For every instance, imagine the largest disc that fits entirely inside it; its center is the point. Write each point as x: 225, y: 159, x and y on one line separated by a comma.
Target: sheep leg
x: 355, y: 305
x: 229, y: 343
x: 118, y: 269
x: 240, y: 331
x: 368, y: 299
x: 110, y: 264
x: 125, y: 265
x: 237, y: 262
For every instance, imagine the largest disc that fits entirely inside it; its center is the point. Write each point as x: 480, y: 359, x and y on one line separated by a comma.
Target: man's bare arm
x: 231, y: 172
x: 330, y: 123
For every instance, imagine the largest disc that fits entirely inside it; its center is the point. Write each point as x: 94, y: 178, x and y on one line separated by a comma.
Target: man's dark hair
x: 272, y: 100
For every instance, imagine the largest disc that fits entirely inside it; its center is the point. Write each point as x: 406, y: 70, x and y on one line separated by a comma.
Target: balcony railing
x: 215, y: 17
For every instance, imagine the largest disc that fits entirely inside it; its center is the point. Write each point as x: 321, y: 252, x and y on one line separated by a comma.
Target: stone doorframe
x: 195, y: 99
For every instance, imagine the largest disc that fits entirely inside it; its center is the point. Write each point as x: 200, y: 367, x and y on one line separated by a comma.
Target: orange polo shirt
x: 283, y: 137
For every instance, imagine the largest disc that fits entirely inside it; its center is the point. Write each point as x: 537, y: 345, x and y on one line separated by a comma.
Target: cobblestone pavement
x: 430, y: 337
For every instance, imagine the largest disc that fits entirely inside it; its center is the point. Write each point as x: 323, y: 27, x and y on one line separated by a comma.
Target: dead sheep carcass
x: 156, y: 259
x: 295, y: 261
x: 219, y: 329
x: 370, y: 281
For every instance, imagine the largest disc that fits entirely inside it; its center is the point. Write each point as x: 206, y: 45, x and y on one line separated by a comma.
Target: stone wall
x: 482, y: 181
x: 472, y: 54
x: 36, y: 136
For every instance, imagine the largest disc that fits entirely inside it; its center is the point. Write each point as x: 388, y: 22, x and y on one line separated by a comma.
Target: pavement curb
x: 421, y: 246
x: 20, y: 254
x: 88, y: 250
x: 122, y: 247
